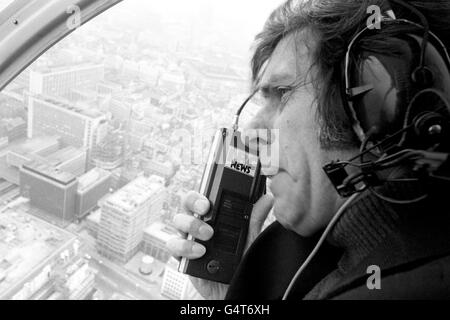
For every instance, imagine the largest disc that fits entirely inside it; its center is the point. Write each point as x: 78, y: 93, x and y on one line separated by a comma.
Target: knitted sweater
x: 410, y: 244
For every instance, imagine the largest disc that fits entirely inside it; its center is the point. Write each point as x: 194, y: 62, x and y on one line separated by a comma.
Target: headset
x: 399, y: 108
x: 398, y: 104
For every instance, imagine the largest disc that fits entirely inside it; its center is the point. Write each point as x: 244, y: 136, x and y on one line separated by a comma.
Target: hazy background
x: 232, y: 22
x: 124, y: 106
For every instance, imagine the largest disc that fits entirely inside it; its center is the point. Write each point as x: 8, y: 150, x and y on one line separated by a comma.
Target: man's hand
x: 196, y: 204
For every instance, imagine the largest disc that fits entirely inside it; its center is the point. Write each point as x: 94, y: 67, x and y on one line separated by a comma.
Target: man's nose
x: 260, y: 121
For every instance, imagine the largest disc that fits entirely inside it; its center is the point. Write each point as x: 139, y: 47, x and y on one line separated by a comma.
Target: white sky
x: 249, y: 15
x: 252, y: 12
x: 257, y: 8
x: 243, y: 18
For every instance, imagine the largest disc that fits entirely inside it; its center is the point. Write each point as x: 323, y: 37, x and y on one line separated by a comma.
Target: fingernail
x: 206, y: 232
x: 198, y: 249
x: 201, y: 206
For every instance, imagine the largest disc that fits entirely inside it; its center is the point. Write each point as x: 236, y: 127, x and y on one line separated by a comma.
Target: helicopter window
x: 102, y: 136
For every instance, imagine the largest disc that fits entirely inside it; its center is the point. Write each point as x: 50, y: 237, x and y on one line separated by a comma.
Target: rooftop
x: 50, y: 172
x: 13, y: 123
x: 95, y: 216
x: 63, y: 155
x: 65, y: 69
x: 92, y: 178
x: 25, y: 243
x: 135, y: 194
x: 214, y: 71
x: 161, y: 231
x: 76, y: 109
x: 35, y: 145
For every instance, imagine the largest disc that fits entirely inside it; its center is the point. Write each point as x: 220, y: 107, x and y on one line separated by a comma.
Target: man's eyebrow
x: 277, y: 79
x: 285, y: 79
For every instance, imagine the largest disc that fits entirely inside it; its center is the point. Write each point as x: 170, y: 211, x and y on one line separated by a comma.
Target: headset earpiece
x: 423, y: 77
x: 398, y: 104
x: 379, y: 88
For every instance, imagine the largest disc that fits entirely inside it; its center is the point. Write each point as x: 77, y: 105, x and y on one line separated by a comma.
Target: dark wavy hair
x: 334, y: 23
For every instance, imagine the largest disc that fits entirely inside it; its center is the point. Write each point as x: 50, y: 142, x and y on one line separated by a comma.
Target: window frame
x: 28, y: 28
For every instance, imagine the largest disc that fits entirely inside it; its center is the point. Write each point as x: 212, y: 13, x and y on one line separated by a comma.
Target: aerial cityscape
x: 99, y: 140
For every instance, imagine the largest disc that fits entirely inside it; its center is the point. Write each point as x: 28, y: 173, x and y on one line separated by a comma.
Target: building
x: 66, y: 277
x: 159, y: 168
x: 86, y: 95
x: 124, y: 216
x: 121, y: 108
x: 108, y: 88
x: 60, y: 82
x: 136, y: 141
x: 143, y: 127
x: 175, y: 285
x: 172, y: 81
x: 77, y: 125
x: 93, y: 222
x: 17, y: 159
x: 29, y: 276
x: 13, y: 100
x: 116, y: 179
x: 77, y: 281
x: 155, y: 239
x: 92, y: 186
x: 14, y: 129
x: 147, y: 265
x: 215, y: 78
x: 69, y: 159
x: 108, y: 154
x: 150, y: 73
x: 24, y: 153
x: 157, y: 202
x: 45, y: 150
x: 8, y: 191
x: 50, y: 190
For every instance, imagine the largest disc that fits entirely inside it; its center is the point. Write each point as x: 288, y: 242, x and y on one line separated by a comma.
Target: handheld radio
x: 232, y: 182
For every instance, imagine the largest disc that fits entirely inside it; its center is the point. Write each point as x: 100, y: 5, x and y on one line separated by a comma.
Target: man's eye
x: 283, y: 90
x: 283, y: 93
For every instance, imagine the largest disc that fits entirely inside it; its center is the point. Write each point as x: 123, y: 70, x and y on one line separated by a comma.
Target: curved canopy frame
x: 28, y: 28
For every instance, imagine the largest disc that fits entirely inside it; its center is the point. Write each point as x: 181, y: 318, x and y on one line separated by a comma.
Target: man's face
x: 305, y: 200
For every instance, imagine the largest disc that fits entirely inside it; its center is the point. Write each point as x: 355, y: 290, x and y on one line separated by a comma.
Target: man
x: 377, y: 250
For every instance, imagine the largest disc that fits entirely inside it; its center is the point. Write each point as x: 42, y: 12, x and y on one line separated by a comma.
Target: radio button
x: 213, y: 267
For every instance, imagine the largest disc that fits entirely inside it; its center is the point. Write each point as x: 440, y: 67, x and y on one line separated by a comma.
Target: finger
x: 195, y: 203
x: 261, y: 210
x: 195, y: 227
x: 186, y: 249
